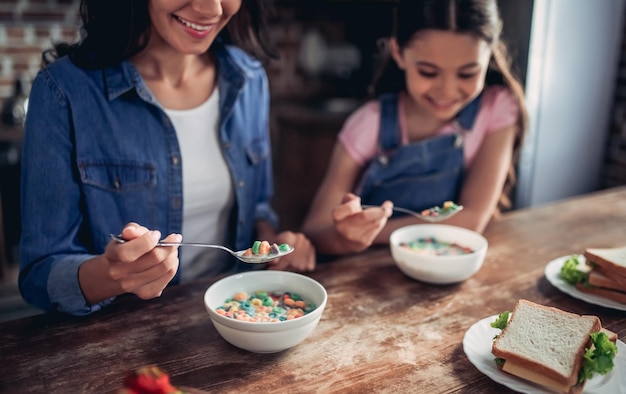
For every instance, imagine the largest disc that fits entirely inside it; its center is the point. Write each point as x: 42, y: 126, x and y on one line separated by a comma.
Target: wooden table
x: 381, y: 332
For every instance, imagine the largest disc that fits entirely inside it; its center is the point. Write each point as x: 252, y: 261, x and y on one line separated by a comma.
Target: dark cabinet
x: 304, y: 137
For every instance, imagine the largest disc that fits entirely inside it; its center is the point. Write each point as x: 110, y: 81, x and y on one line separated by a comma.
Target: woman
x: 155, y: 123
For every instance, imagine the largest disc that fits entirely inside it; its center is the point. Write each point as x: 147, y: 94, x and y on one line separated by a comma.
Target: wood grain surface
x: 381, y: 332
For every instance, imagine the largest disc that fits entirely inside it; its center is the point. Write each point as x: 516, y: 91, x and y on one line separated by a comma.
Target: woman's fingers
x: 140, y: 266
x: 151, y: 282
x: 135, y: 247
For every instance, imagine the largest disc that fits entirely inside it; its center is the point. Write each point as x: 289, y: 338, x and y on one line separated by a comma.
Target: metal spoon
x: 439, y: 217
x: 252, y: 259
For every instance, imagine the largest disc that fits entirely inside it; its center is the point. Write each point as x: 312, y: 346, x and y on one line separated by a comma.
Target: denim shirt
x: 99, y: 152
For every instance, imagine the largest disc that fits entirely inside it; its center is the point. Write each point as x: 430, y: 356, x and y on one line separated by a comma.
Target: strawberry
x: 149, y: 379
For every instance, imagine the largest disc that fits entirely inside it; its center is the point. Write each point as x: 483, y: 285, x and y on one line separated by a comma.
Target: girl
x: 446, y: 125
x: 154, y: 123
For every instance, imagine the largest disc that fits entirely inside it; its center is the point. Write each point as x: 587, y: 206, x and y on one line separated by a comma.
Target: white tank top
x: 208, y: 195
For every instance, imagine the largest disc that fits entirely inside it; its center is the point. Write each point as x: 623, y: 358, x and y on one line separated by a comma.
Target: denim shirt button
x: 175, y: 160
x: 176, y: 202
x: 241, y: 183
x: 117, y: 184
x: 227, y: 146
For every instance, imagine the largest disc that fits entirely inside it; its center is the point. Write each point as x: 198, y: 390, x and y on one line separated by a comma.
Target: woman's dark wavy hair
x: 480, y: 18
x: 114, y: 30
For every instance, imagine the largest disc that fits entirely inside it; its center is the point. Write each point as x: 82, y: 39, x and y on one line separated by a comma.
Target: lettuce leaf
x: 570, y: 272
x: 501, y: 321
x: 598, y: 358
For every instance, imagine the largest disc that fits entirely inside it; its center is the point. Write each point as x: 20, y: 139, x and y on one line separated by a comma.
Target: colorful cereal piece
x: 284, y: 248
x: 264, y: 248
x: 255, y: 247
x: 240, y: 296
x: 426, y: 212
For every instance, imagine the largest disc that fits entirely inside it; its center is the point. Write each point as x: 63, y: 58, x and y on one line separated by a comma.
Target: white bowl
x: 265, y: 337
x: 438, y: 269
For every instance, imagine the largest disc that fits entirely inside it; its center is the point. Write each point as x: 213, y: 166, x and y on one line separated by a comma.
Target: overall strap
x: 389, y: 136
x: 466, y: 117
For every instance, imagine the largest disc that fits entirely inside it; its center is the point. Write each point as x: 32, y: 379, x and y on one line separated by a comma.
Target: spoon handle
x: 199, y: 245
x: 399, y: 209
x: 428, y: 218
x: 119, y: 239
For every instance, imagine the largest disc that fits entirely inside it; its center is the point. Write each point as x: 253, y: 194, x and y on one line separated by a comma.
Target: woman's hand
x: 357, y: 226
x: 137, y: 266
x: 302, y: 259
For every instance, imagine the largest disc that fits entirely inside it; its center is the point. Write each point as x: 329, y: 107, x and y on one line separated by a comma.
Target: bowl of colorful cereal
x: 265, y: 311
x: 438, y: 253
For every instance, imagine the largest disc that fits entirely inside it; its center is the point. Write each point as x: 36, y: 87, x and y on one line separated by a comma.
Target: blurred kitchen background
x: 571, y: 55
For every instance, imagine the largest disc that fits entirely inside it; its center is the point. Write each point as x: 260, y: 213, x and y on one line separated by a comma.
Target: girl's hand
x: 302, y: 259
x: 137, y: 266
x: 360, y: 227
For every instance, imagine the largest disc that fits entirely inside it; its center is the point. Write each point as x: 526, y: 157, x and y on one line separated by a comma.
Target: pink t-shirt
x: 359, y: 135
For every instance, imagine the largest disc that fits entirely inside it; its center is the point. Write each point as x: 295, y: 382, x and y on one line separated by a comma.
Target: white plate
x: 477, y: 346
x: 552, y: 274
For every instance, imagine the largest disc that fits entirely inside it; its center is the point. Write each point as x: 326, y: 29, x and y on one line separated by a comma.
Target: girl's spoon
x: 433, y: 215
x: 250, y: 259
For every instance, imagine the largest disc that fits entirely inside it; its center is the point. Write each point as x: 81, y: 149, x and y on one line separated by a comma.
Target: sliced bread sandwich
x: 601, y: 274
x: 610, y: 261
x: 601, y: 285
x: 547, y: 346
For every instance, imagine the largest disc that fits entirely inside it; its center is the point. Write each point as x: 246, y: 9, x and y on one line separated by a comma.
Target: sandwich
x: 555, y: 349
x: 603, y: 273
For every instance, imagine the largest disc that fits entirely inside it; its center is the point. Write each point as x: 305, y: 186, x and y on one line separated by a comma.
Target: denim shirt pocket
x: 126, y: 191
x: 118, y: 177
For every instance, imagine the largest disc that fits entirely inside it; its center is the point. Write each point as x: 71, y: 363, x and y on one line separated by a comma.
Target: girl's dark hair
x: 480, y: 18
x: 114, y: 30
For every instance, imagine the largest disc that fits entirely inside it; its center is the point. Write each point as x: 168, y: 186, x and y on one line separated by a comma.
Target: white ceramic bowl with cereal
x: 438, y: 253
x: 265, y: 336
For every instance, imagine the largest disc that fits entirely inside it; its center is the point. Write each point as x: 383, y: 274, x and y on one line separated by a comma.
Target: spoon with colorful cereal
x: 263, y: 251
x: 260, y: 252
x: 434, y: 214
x: 438, y: 214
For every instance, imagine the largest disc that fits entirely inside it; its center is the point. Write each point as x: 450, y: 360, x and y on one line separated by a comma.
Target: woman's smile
x: 195, y: 29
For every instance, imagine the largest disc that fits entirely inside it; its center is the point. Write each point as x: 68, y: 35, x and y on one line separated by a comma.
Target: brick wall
x: 27, y: 27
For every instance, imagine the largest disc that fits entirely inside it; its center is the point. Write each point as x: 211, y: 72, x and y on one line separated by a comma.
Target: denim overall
x: 417, y: 175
